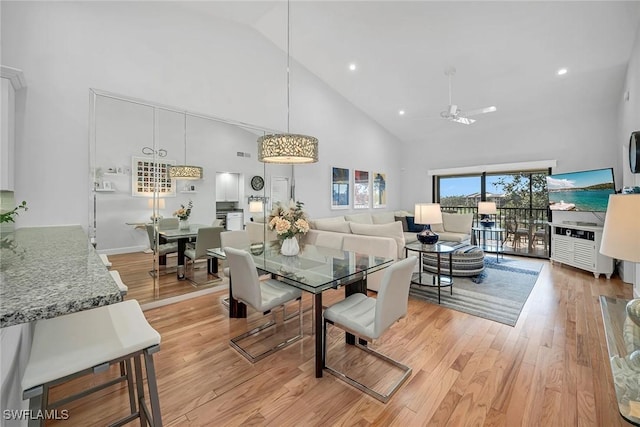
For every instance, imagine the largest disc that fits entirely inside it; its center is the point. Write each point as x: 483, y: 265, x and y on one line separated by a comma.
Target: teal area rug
x: 498, y: 294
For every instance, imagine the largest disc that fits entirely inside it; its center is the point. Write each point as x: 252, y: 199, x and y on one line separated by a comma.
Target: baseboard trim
x: 180, y: 298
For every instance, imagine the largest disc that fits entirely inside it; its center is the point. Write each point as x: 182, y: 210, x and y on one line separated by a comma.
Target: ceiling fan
x: 454, y: 114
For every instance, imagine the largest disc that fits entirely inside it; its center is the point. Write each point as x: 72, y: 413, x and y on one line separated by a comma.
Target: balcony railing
x: 526, y: 230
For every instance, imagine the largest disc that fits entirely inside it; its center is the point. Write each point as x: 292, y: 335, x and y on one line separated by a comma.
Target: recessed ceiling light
x: 401, y: 112
x: 352, y: 66
x: 562, y: 71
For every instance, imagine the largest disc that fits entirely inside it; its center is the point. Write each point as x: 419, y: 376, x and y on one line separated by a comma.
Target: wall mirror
x: 133, y: 143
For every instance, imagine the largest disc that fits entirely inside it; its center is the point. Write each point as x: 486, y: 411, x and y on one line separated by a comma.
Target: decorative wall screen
x: 379, y: 190
x: 361, y: 189
x: 148, y: 175
x: 339, y: 188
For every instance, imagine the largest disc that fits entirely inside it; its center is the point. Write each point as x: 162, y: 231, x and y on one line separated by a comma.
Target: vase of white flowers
x: 289, y: 223
x: 183, y: 215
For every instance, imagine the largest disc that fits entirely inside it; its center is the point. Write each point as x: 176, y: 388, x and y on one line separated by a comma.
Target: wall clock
x: 257, y: 183
x: 634, y: 152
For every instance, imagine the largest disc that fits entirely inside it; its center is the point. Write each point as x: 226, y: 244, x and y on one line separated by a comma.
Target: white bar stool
x: 87, y: 342
x: 116, y: 278
x: 105, y: 260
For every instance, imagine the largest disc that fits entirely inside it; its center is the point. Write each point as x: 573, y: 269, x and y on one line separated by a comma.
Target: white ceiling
x: 506, y: 54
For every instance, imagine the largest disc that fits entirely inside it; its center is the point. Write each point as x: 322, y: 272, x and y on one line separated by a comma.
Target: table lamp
x: 621, y: 237
x: 255, y: 206
x: 485, y: 210
x: 427, y: 214
x: 154, y: 217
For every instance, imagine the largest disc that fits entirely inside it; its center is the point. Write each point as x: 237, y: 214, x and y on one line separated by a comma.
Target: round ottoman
x: 468, y: 260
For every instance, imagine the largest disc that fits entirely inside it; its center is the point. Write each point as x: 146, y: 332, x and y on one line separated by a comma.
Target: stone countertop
x: 51, y: 271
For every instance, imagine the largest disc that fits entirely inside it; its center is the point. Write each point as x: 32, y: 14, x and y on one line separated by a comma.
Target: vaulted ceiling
x: 506, y: 54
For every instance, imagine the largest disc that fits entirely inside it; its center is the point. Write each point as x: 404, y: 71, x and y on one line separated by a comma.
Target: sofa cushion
x: 361, y: 218
x: 383, y: 217
x: 448, y: 236
x: 458, y: 223
x: 338, y: 225
x: 437, y: 228
x: 410, y: 237
x: 393, y: 229
x: 403, y: 221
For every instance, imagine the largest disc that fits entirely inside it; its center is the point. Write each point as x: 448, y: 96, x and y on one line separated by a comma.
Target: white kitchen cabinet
x: 227, y: 187
x: 12, y: 80
x: 579, y: 246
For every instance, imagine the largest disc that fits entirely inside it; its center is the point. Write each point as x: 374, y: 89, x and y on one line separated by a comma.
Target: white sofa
x: 386, y: 247
x: 454, y: 228
x: 378, y: 233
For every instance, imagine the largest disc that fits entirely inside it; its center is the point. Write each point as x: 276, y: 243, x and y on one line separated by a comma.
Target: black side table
x: 438, y: 280
x: 480, y: 235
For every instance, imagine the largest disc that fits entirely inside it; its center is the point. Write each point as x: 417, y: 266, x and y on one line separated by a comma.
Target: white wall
x: 629, y: 115
x: 162, y: 53
x: 578, y: 141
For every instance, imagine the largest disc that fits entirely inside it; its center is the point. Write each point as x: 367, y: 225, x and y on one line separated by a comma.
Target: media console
x: 579, y: 246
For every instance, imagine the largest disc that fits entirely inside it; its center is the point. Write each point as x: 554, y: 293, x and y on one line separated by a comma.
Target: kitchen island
x: 44, y: 272
x: 50, y: 271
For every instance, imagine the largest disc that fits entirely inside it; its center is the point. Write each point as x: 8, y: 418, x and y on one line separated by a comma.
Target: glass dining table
x: 315, y: 269
x: 182, y: 236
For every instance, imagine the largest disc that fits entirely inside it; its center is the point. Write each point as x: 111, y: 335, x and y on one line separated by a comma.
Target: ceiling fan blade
x: 463, y: 120
x: 490, y: 109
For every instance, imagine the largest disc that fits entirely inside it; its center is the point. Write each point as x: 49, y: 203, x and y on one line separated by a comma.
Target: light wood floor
x: 551, y: 369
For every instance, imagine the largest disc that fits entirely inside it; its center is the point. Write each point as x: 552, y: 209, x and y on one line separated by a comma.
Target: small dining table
x: 182, y: 236
x: 315, y: 269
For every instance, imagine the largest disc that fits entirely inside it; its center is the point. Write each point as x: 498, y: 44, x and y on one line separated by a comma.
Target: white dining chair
x: 263, y: 296
x: 368, y: 318
x: 237, y: 239
x: 208, y: 238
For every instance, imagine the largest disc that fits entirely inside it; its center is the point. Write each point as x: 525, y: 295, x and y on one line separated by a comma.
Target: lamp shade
x: 621, y: 234
x: 255, y: 206
x: 287, y: 148
x: 160, y: 203
x: 487, y: 208
x: 428, y: 213
x: 185, y: 172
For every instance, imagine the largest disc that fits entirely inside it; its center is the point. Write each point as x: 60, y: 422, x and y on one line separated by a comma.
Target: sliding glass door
x: 521, y: 200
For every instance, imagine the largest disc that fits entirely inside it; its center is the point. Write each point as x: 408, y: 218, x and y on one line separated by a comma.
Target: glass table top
x: 623, y: 345
x: 439, y: 247
x: 315, y: 268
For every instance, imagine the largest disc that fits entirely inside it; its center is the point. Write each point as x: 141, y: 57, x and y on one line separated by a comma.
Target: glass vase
x: 183, y: 224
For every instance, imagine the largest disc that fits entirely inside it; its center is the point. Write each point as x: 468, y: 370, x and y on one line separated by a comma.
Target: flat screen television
x: 585, y: 191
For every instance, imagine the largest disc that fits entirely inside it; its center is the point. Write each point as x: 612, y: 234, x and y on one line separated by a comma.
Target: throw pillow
x: 363, y: 218
x: 383, y: 217
x: 437, y: 228
x: 412, y: 226
x: 458, y: 223
x: 403, y: 220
